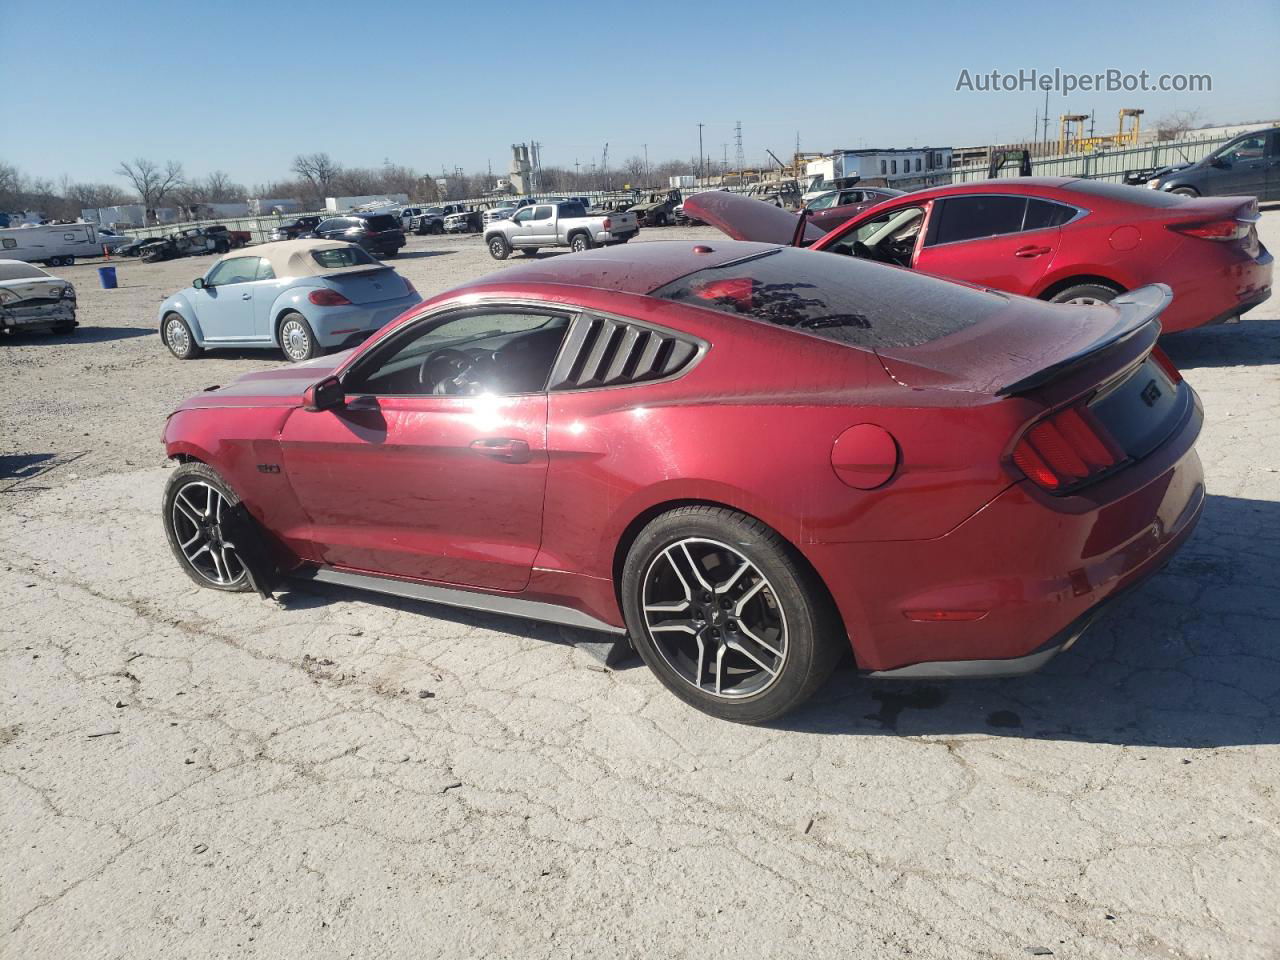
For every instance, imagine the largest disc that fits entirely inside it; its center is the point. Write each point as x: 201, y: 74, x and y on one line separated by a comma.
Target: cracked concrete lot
x: 186, y: 774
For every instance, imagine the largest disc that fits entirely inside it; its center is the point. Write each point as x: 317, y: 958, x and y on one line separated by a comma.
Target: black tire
x: 811, y: 639
x: 437, y: 228
x: 529, y: 251
x: 1085, y: 293
x: 296, y: 338
x: 580, y: 242
x: 177, y: 336
x: 193, y: 480
x: 221, y: 246
x: 660, y: 221
x: 63, y: 329
x: 499, y: 248
x: 68, y: 261
x: 1186, y: 191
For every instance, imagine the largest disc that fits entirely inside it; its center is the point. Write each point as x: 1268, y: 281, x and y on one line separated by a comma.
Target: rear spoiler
x: 1134, y: 311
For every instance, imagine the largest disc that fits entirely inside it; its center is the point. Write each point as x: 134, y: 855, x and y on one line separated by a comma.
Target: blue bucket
x: 107, y: 275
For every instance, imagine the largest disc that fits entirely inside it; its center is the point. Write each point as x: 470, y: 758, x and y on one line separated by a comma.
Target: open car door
x: 746, y: 218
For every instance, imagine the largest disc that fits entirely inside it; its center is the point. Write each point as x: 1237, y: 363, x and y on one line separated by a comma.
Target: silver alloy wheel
x: 714, y: 618
x: 177, y: 337
x: 295, y: 341
x: 197, y: 514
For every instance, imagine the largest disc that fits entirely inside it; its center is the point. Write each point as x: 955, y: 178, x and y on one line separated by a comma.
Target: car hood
x: 746, y: 218
x: 278, y: 387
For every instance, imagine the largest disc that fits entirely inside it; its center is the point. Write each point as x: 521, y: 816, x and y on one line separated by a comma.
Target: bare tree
x: 317, y: 169
x: 1177, y: 124
x: 217, y: 187
x: 152, y: 183
x: 636, y: 171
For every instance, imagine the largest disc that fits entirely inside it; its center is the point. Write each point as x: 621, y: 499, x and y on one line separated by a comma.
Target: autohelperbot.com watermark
x: 1065, y: 82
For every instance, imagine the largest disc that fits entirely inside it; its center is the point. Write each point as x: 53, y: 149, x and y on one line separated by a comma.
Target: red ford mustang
x: 747, y: 458
x: 1055, y: 238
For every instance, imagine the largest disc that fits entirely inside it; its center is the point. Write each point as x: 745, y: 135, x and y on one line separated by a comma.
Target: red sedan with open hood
x: 747, y: 457
x: 1059, y: 239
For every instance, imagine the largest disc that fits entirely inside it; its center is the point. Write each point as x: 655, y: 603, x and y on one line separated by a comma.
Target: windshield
x: 837, y: 298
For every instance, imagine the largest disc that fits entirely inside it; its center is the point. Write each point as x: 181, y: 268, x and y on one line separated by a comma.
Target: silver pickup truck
x: 563, y: 224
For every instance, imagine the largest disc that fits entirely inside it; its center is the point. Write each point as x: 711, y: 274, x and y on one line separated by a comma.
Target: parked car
x: 301, y: 227
x: 504, y: 209
x: 235, y: 238
x: 466, y: 221
x: 1248, y: 166
x: 956, y: 479
x: 301, y: 296
x: 422, y: 220
x: 191, y: 242
x: 1056, y: 238
x: 838, y: 206
x: 379, y: 233
x: 657, y: 209
x: 557, y: 225
x: 33, y: 299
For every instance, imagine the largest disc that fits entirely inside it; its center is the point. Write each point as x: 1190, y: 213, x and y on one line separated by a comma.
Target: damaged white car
x: 32, y: 299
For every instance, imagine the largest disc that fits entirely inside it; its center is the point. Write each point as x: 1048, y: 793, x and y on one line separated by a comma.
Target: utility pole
x: 737, y: 136
x: 700, y: 126
x: 725, y: 167
x: 1046, y: 117
x: 577, y: 182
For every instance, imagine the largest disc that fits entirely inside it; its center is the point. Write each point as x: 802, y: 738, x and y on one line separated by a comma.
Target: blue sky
x: 244, y: 86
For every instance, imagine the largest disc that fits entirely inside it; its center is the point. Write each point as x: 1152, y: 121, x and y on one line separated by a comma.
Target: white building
x: 877, y: 167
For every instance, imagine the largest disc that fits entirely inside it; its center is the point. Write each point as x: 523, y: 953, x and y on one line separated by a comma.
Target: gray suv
x: 1248, y: 166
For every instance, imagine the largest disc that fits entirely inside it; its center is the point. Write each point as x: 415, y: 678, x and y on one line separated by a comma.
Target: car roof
x: 636, y: 268
x: 998, y: 185
x: 292, y: 258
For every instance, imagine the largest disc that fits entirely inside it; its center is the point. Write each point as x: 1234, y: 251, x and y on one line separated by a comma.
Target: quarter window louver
x: 601, y: 352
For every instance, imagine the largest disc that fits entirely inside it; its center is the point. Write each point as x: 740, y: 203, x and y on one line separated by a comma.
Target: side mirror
x: 325, y: 395
x: 1219, y: 162
x: 198, y: 283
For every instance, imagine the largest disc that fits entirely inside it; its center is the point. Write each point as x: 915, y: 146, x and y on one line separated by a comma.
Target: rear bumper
x: 18, y: 319
x: 1029, y: 570
x: 1205, y: 294
x: 345, y: 326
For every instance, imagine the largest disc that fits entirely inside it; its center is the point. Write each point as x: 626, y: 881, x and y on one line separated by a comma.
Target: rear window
x: 336, y: 257
x: 836, y: 298
x: 572, y: 210
x: 15, y: 270
x: 381, y: 221
x: 1142, y: 196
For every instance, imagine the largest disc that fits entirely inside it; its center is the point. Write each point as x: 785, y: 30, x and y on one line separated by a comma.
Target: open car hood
x: 746, y: 218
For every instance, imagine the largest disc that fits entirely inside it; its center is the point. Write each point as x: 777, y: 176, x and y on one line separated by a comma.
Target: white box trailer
x: 55, y: 244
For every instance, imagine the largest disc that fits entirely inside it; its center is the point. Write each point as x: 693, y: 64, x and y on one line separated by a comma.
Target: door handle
x: 1027, y: 252
x: 246, y: 296
x: 502, y: 448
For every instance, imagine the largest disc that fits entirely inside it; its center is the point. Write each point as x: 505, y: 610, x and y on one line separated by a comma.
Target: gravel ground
x: 192, y: 774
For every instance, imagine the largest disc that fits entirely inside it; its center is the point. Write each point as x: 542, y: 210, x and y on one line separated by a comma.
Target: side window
x: 1042, y: 214
x: 478, y: 352
x: 522, y: 215
x: 968, y: 218
x: 8, y: 244
x: 893, y: 166
x: 326, y: 225
x: 884, y: 167
x: 264, y: 270
x: 235, y: 270
x: 541, y: 213
x: 917, y: 164
x: 1250, y: 148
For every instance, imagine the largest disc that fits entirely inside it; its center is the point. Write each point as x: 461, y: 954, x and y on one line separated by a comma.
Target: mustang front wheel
x: 726, y: 616
x: 196, y: 503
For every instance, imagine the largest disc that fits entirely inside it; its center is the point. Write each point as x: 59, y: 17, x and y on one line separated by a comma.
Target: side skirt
x: 453, y: 597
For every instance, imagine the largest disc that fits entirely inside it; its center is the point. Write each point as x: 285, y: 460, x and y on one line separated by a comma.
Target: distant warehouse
x: 910, y: 167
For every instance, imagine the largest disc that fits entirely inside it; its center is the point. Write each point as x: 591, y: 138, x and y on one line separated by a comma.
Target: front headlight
x: 1153, y: 184
x: 68, y: 292
x: 8, y: 296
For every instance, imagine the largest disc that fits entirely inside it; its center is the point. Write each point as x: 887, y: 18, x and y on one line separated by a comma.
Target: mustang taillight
x: 1066, y: 449
x: 1170, y: 371
x: 328, y: 298
x: 1220, y: 230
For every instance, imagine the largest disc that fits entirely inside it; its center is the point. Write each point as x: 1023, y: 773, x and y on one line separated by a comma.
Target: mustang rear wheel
x: 726, y: 615
x: 296, y: 339
x: 196, y: 503
x: 178, y: 337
